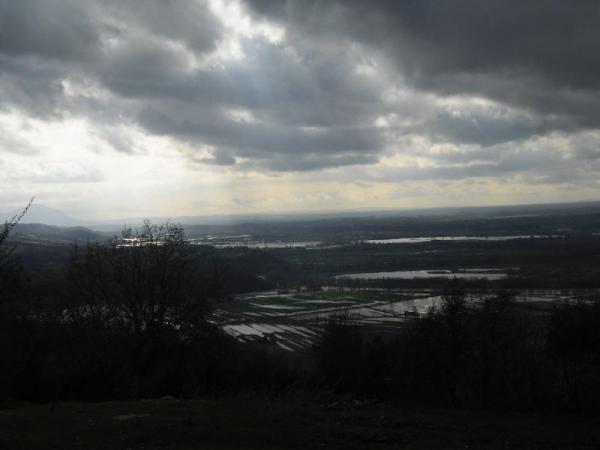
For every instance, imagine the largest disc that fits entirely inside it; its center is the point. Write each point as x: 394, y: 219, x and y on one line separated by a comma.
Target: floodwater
x: 464, y: 274
x: 247, y: 241
x: 297, y: 328
x: 418, y: 240
x: 294, y: 327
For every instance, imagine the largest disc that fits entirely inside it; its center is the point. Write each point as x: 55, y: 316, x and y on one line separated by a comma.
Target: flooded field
x: 248, y: 241
x: 418, y: 240
x: 463, y: 274
x: 222, y: 241
x: 293, y: 321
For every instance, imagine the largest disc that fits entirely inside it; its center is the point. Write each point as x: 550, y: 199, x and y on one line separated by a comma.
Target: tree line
x: 486, y: 353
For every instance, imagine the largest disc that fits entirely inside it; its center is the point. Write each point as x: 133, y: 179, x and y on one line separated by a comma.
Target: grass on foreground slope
x: 230, y: 424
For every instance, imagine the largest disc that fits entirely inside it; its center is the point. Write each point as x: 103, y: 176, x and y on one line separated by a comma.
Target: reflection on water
x: 297, y: 326
x: 417, y: 240
x: 246, y: 240
x: 465, y: 274
x: 294, y: 328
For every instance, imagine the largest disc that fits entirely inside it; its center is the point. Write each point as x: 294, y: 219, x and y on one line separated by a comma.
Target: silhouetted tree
x: 340, y: 355
x: 574, y: 346
x: 12, y: 279
x: 141, y: 293
x: 14, y: 333
x: 143, y: 281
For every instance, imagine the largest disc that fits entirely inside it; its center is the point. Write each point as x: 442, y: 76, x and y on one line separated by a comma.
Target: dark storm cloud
x: 541, y: 55
x: 311, y: 101
x: 74, y: 29
x: 309, y: 108
x: 185, y: 21
x: 43, y: 43
x: 61, y: 29
x: 277, y: 86
x: 306, y: 113
x: 31, y: 85
x: 484, y: 128
x: 272, y: 146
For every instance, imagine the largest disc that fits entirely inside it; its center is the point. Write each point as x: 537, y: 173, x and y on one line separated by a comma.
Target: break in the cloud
x: 200, y: 106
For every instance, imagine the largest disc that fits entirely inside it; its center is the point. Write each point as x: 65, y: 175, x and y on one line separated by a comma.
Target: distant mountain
x: 44, y: 215
x: 39, y: 233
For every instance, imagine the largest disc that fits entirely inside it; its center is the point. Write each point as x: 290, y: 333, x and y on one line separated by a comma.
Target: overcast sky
x: 113, y: 108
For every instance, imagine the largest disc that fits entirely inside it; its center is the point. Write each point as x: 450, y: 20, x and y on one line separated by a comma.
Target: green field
x: 307, y: 301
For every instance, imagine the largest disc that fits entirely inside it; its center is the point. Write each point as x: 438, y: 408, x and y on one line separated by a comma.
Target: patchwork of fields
x: 293, y: 321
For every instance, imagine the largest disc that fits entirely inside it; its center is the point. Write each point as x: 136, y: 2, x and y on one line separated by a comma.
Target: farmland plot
x: 294, y: 321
